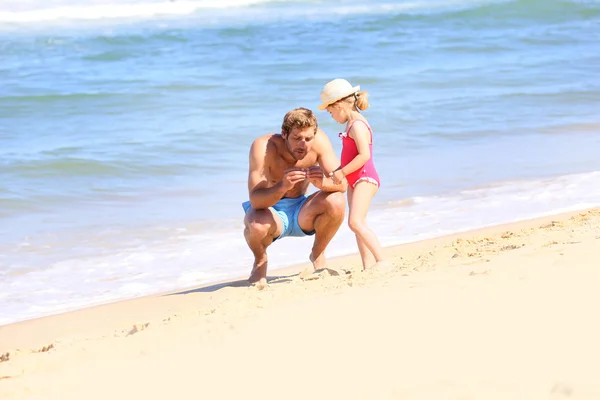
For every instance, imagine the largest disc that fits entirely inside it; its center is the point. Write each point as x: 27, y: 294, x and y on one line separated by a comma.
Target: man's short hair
x: 299, y: 118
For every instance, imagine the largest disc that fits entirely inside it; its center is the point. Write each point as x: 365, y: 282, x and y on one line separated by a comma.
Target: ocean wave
x: 269, y: 10
x: 119, y: 10
x: 61, y: 166
x: 70, y: 167
x: 49, y: 98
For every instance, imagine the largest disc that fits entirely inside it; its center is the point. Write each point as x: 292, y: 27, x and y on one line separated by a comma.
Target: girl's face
x: 337, y: 113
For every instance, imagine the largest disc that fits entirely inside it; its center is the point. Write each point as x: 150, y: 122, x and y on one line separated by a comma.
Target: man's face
x: 299, y: 142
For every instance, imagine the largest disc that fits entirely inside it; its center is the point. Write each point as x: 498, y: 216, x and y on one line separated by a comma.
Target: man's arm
x: 328, y: 162
x: 261, y: 195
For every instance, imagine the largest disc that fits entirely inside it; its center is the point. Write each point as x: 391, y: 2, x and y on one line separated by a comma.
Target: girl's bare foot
x: 384, y: 265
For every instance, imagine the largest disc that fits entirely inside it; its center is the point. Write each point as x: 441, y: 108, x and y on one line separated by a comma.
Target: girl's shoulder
x: 363, y: 123
x: 354, y: 128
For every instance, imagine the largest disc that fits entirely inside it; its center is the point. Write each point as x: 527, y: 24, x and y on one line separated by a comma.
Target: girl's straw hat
x: 336, y: 90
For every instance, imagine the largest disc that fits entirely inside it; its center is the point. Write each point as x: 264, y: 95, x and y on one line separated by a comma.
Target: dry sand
x: 509, y: 312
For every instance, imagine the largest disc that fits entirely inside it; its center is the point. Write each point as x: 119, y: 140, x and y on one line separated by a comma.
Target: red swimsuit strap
x: 368, y: 127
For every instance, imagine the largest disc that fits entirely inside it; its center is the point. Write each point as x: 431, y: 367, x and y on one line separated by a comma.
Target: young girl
x: 344, y: 103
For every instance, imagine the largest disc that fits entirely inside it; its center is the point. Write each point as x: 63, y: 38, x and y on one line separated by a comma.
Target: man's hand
x: 315, y: 176
x: 292, y: 176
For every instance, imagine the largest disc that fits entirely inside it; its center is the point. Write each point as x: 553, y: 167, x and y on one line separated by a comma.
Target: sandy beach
x: 507, y: 312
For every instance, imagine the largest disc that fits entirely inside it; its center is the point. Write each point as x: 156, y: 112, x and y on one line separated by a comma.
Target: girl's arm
x: 327, y: 161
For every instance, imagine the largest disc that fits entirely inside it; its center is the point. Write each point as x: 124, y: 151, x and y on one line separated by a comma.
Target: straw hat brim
x: 338, y: 96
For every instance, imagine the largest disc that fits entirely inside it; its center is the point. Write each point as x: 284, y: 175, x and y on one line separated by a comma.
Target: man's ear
x: 283, y: 135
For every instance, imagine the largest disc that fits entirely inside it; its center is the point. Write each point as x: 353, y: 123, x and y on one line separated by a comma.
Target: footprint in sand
x: 309, y: 275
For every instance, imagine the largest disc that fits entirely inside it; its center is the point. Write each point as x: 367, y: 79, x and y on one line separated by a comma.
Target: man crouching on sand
x: 281, y: 167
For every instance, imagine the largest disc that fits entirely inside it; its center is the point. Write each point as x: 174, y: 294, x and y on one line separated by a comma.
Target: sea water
x: 125, y: 128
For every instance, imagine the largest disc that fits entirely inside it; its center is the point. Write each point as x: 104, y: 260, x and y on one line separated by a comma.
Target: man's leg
x: 323, y: 213
x: 261, y: 227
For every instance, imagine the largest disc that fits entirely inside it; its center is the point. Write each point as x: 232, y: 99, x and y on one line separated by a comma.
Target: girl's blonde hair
x: 360, y: 100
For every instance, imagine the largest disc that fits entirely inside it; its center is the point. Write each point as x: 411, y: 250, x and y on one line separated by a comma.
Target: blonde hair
x: 299, y: 118
x: 360, y: 100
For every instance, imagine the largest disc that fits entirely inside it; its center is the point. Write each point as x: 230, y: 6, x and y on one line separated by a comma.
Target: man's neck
x: 286, y: 155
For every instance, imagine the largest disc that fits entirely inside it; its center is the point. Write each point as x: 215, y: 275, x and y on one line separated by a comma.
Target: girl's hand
x: 337, y: 176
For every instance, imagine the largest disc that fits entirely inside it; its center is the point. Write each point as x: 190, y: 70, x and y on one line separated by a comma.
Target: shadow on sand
x: 236, y: 284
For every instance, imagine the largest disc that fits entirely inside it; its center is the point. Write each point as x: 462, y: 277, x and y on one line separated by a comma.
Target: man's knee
x: 258, y: 224
x: 335, y: 204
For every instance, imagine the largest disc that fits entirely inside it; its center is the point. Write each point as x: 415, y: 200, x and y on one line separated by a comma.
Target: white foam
x: 118, y: 10
x: 487, y: 206
x: 104, y: 11
x: 179, y: 257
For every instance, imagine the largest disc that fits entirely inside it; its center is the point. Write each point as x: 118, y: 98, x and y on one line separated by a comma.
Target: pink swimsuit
x: 349, y: 150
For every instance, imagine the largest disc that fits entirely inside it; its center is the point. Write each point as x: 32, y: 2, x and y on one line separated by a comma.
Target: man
x: 281, y: 166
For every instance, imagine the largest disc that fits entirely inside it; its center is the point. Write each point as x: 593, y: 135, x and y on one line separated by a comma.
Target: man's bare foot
x: 258, y: 276
x: 319, y: 262
x: 261, y: 284
x: 306, y: 273
x: 317, y: 270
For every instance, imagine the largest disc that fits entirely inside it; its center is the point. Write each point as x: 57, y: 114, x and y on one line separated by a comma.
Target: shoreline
x: 294, y: 266
x: 194, y: 256
x: 138, y: 310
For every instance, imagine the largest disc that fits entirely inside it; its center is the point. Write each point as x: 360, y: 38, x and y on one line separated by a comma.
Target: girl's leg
x: 361, y: 197
x: 365, y: 254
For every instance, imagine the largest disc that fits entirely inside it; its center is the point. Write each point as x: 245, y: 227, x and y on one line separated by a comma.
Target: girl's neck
x: 354, y: 117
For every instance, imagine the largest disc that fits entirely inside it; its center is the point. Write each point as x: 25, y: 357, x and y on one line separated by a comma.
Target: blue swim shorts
x: 288, y: 210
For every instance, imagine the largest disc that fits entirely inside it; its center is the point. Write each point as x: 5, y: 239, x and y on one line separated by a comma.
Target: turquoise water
x: 125, y: 127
